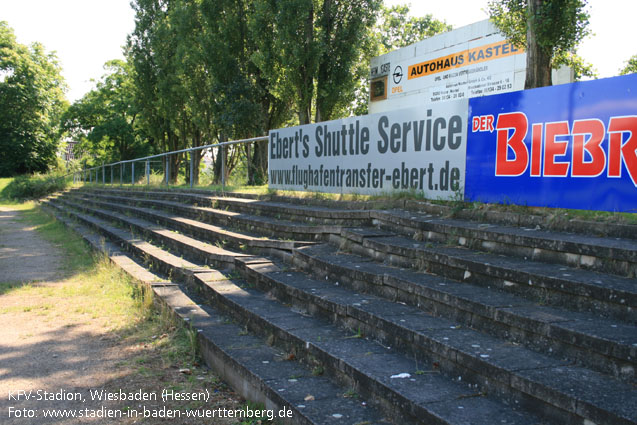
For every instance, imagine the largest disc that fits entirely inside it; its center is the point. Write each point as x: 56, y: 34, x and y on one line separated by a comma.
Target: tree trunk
x: 248, y: 148
x: 323, y: 69
x: 307, y: 85
x: 538, y: 60
x: 221, y: 161
x: 259, y: 164
x: 197, y: 156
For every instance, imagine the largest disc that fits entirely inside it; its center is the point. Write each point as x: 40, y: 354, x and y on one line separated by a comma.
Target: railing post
x: 103, y: 174
x: 147, y: 173
x: 223, y: 167
x: 132, y: 177
x: 167, y: 170
x: 192, y: 168
x: 248, y: 163
x: 121, y: 174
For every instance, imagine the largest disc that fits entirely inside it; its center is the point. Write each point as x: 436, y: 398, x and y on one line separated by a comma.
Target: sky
x: 87, y: 33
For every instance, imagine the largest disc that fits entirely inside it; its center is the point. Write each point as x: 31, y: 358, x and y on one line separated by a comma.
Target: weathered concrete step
x: 254, y: 206
x: 257, y: 371
x: 509, y: 371
x: 266, y: 226
x: 530, y: 219
x: 265, y: 374
x: 607, y: 295
x: 203, y: 231
x: 152, y: 256
x: 204, y: 253
x: 424, y: 398
x: 605, y: 345
x: 549, y: 219
x: 609, y: 255
x: 100, y: 244
x: 371, y: 369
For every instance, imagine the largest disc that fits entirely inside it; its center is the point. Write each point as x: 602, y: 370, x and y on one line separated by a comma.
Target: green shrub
x: 34, y: 186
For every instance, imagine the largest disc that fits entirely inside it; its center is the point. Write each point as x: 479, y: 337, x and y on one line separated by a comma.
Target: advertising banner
x: 568, y: 146
x: 475, y: 60
x: 421, y: 149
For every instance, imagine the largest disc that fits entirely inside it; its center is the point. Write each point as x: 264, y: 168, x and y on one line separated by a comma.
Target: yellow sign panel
x: 473, y: 56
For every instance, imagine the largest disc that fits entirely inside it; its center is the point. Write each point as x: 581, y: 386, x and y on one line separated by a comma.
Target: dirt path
x: 49, y: 349
x: 45, y: 352
x: 24, y: 255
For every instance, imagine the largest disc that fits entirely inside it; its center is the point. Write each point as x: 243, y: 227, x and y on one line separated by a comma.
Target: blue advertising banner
x: 567, y: 146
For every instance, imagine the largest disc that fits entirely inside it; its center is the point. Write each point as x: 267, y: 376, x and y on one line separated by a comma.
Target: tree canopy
x: 105, y: 120
x: 199, y: 72
x: 31, y: 104
x: 631, y: 66
x: 550, y: 30
x: 208, y: 71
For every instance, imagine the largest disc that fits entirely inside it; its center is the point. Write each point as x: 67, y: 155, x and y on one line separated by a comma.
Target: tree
x: 151, y: 50
x: 580, y: 67
x: 631, y: 66
x: 548, y: 29
x: 317, y: 47
x: 105, y: 120
x: 393, y: 29
x: 31, y: 104
x: 217, y: 70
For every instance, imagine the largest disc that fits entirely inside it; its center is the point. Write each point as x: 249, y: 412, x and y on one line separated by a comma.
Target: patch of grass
x: 6, y: 201
x: 32, y: 186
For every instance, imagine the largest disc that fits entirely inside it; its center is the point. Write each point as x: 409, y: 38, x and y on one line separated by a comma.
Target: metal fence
x: 86, y: 175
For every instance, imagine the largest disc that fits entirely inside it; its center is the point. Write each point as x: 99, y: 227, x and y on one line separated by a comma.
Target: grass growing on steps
x: 394, y: 200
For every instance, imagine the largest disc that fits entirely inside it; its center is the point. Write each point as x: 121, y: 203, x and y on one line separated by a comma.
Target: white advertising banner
x: 468, y: 62
x: 420, y: 150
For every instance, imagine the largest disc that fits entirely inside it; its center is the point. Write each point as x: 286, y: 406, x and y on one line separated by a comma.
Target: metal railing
x: 86, y: 175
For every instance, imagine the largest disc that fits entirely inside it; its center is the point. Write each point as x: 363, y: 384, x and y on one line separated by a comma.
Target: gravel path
x: 24, y: 255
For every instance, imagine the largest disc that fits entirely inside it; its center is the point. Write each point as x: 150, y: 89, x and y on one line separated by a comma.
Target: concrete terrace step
x: 265, y: 226
x: 257, y: 371
x: 609, y: 255
x: 266, y: 374
x: 358, y: 363
x: 371, y: 369
x: 605, y: 345
x: 205, y: 253
x: 529, y: 218
x: 605, y: 254
x: 608, y: 295
x: 104, y: 246
x: 521, y: 338
x: 496, y: 367
x: 195, y: 228
x: 171, y: 265
x: 252, y: 205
